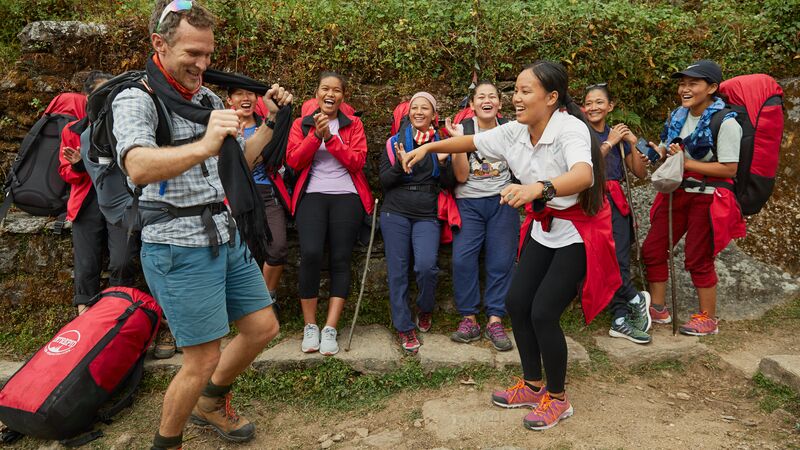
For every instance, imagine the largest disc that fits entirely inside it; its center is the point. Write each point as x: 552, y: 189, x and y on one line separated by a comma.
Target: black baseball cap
x: 705, y: 69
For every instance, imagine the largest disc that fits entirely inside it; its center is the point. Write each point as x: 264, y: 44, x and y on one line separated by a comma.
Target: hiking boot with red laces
x: 425, y: 321
x: 517, y: 396
x: 700, y: 325
x: 409, y: 341
x: 549, y: 412
x: 661, y: 316
x: 218, y: 412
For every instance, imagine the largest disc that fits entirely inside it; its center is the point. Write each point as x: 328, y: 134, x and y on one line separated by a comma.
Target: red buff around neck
x: 185, y: 93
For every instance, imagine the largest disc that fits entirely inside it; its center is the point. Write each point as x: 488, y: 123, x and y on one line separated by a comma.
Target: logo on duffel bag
x: 63, y: 343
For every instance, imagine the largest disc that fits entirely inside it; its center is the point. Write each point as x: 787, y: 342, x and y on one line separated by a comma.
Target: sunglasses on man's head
x: 173, y: 6
x: 598, y: 85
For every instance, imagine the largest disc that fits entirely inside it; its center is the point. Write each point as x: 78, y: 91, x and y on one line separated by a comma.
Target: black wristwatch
x: 549, y: 191
x: 270, y: 123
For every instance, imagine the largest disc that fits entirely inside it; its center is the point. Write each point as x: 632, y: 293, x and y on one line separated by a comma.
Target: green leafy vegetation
x: 634, y: 46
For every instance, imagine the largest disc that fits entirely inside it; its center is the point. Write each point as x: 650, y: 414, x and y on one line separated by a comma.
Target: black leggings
x: 338, y: 218
x: 545, y: 283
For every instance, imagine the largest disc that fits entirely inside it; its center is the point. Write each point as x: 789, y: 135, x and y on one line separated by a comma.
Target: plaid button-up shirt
x: 135, y: 123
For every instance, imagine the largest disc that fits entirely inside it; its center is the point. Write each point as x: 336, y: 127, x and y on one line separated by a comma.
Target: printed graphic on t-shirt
x: 480, y: 168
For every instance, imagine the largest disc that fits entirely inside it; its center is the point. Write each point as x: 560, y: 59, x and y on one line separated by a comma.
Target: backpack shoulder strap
x: 716, y: 124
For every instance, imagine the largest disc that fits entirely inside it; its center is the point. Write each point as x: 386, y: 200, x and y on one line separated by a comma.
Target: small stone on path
x: 783, y: 369
x: 384, y: 439
x: 338, y: 437
x: 728, y: 418
x: 749, y: 423
x: 327, y: 444
x: 324, y: 438
x: 362, y: 432
x: 683, y: 395
x: 418, y: 423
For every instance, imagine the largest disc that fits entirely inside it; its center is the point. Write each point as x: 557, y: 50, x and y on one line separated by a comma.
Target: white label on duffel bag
x: 63, y: 343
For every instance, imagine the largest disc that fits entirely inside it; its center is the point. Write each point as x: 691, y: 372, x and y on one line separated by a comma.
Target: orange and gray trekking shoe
x: 218, y: 412
x: 660, y: 316
x: 517, y: 396
x: 549, y: 412
x: 700, y: 325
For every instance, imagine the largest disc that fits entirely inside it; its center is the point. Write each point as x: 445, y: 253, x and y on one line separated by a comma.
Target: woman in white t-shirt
x: 704, y: 207
x: 551, y: 151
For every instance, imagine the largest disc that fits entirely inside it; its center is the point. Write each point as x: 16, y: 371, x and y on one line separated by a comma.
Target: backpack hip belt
x: 431, y: 188
x: 160, y: 212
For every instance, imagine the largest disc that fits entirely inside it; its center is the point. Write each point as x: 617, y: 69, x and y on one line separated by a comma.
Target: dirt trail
x: 703, y: 402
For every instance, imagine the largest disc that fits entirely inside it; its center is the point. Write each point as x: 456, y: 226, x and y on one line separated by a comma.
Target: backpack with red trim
x: 33, y: 183
x: 59, y: 392
x: 758, y: 102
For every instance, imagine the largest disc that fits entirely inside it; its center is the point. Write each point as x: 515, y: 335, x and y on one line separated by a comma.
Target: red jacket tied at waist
x: 602, y: 269
x: 726, y: 218
x: 449, y: 215
x: 614, y: 189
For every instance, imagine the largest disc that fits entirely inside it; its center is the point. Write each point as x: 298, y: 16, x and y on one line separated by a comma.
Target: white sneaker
x: 328, y: 345
x: 310, y: 338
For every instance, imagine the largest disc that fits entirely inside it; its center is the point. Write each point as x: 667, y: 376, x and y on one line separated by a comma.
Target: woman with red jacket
x: 89, y: 227
x: 568, y: 239
x: 331, y: 196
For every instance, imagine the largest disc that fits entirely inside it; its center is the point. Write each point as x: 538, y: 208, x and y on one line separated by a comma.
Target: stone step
x: 664, y: 346
x: 374, y: 350
x: 783, y: 369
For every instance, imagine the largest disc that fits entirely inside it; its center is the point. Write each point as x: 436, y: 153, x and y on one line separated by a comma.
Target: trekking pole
x: 633, y: 215
x: 364, y: 275
x: 672, y: 271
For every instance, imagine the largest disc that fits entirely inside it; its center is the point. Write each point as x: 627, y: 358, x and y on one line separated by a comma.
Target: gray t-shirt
x: 727, y: 145
x: 486, y: 178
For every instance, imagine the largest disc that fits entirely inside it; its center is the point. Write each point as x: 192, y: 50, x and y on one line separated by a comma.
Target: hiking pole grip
x: 364, y: 275
x: 672, y: 270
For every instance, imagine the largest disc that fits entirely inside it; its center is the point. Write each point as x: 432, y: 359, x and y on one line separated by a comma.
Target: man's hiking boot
x: 165, y: 344
x: 218, y: 412
x: 622, y: 327
x: 468, y: 331
x: 424, y: 321
x: 660, y: 315
x: 518, y: 395
x: 310, y: 342
x: 700, y: 325
x: 497, y: 335
x: 409, y: 341
x: 549, y: 412
x: 639, y: 309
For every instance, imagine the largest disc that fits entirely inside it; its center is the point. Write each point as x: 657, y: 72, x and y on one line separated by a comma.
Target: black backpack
x: 33, y: 183
x: 117, y: 201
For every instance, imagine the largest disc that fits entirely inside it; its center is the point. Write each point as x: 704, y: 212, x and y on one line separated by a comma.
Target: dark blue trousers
x: 623, y: 229
x: 402, y: 239
x: 487, y: 225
